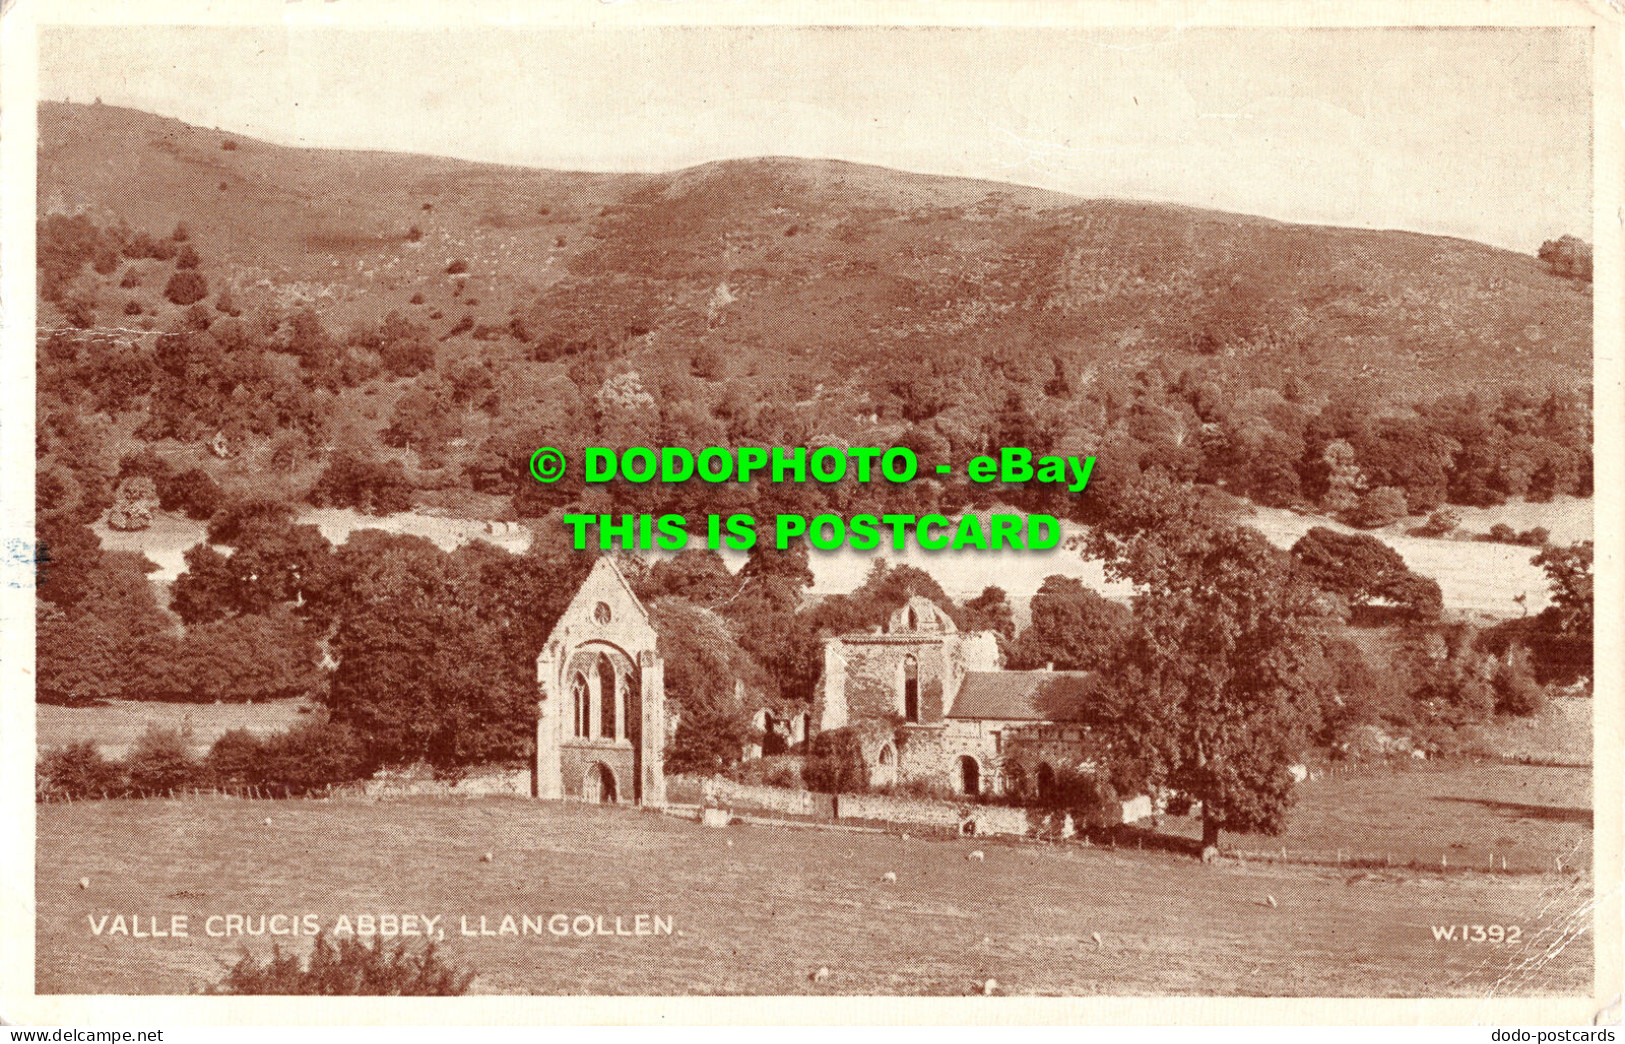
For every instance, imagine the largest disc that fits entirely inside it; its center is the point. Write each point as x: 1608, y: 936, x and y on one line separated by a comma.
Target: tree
x: 1380, y: 507
x: 437, y: 651
x: 1360, y: 568
x: 990, y: 611
x: 1568, y: 570
x: 273, y: 562
x: 1072, y: 627
x: 193, y: 493
x: 1567, y: 256
x: 186, y: 287
x: 371, y: 487
x: 249, y: 657
x: 1212, y: 697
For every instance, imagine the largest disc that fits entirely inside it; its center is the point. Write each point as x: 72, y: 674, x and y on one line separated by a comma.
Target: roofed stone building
x: 932, y: 703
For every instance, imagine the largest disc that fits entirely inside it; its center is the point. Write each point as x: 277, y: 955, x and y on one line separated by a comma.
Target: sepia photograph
x: 576, y: 508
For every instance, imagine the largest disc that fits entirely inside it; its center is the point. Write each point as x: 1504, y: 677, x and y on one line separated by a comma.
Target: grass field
x: 116, y: 724
x: 757, y: 909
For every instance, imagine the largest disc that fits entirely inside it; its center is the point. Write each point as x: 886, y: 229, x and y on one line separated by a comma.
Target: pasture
x: 116, y: 724
x: 758, y: 909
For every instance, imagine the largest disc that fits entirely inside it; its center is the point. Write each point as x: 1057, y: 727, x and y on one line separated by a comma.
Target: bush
x: 314, y: 754
x: 181, y: 233
x: 187, y: 258
x: 1536, y: 537
x: 186, y: 287
x: 79, y: 771
x: 130, y: 280
x: 457, y: 267
x: 192, y: 493
x: 708, y: 740
x: 160, y: 761
x: 835, y: 763
x: 1440, y: 524
x: 1380, y: 507
x: 237, y: 759
x: 348, y: 968
x: 416, y: 298
x: 1516, y: 691
x: 374, y: 488
x: 228, y: 145
x: 132, y: 308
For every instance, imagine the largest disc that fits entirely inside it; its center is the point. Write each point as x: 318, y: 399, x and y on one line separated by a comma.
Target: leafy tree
x: 1072, y: 627
x: 1380, y: 507
x: 248, y: 657
x: 273, y: 562
x: 1567, y: 256
x: 990, y: 611
x: 1568, y: 570
x: 186, y: 287
x: 160, y: 761
x: 1212, y: 698
x: 835, y: 763
x: 193, y: 493
x: 79, y: 771
x: 372, y: 487
x: 1360, y: 568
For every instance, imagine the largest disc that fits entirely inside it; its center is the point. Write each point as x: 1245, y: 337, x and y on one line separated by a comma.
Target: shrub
x: 835, y: 763
x: 225, y: 303
x: 708, y: 740
x: 79, y: 771
x: 376, y: 488
x: 186, y: 287
x: 463, y: 325
x: 132, y: 308
x: 237, y: 759
x: 1440, y: 524
x: 1380, y: 507
x: 1516, y: 691
x: 187, y: 258
x: 314, y: 754
x: 130, y: 280
x: 414, y: 234
x: 181, y: 233
x: 160, y: 761
x: 228, y: 145
x: 1501, y: 533
x: 407, y: 358
x: 416, y: 298
x: 457, y: 267
x: 348, y: 968
x: 1536, y: 537
x: 192, y: 493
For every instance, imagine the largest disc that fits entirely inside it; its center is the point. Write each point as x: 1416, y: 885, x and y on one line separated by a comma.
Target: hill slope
x: 777, y: 301
x: 828, y: 261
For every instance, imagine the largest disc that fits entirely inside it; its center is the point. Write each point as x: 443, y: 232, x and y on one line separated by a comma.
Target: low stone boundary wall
x: 960, y: 816
x: 769, y: 799
x: 411, y: 783
x: 964, y: 817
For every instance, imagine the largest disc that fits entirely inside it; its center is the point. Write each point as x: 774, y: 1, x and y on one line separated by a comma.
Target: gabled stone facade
x: 600, y: 725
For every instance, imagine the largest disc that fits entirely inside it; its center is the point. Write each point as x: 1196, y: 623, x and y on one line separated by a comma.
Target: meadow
x: 758, y: 909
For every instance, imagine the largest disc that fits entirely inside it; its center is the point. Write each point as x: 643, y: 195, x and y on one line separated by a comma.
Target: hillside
x: 825, y: 260
x: 780, y: 300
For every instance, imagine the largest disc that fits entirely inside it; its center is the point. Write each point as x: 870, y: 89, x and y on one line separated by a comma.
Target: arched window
x: 911, y: 688
x: 888, y: 757
x: 913, y: 620
x: 581, y: 699
x: 609, y: 695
